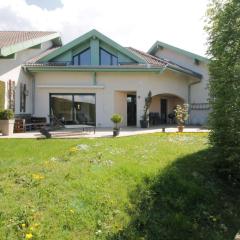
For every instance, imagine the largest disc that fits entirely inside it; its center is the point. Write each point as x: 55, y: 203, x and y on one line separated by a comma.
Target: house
x: 16, y: 48
x: 92, y: 77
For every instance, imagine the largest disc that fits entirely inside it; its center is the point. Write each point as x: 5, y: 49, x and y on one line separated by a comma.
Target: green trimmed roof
x: 159, y: 44
x: 93, y: 34
x: 15, y: 41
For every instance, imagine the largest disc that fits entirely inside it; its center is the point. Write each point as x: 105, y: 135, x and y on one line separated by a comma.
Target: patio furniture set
x: 49, y: 130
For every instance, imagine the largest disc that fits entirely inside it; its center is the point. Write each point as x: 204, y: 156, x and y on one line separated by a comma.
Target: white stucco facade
x: 199, y: 92
x: 111, y: 90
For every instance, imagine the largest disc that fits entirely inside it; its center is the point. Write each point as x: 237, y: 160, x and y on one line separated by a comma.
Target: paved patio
x: 104, y: 132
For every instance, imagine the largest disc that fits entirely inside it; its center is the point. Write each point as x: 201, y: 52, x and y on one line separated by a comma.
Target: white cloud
x: 129, y: 22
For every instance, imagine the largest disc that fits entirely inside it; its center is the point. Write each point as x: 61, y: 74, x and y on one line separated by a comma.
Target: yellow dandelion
x: 28, y: 236
x: 23, y: 225
x: 73, y: 149
x: 31, y: 228
x: 72, y: 211
x: 37, y: 176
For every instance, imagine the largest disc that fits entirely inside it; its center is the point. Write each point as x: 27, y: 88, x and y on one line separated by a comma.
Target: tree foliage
x: 223, y: 27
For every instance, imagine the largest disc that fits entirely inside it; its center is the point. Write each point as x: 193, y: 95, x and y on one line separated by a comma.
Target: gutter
x: 41, y: 68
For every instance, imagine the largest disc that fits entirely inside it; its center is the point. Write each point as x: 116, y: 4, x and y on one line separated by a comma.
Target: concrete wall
x: 112, y: 98
x: 199, y: 92
x: 10, y: 69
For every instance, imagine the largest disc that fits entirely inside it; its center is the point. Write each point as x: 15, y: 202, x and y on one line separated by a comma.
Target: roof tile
x: 8, y: 38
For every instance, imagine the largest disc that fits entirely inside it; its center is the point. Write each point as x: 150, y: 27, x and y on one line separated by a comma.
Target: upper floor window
x: 107, y: 58
x: 83, y: 58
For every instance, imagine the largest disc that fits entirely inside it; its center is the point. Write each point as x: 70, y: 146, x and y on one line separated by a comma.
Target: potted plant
x: 181, y: 116
x: 144, y: 123
x: 116, y: 119
x: 6, y: 122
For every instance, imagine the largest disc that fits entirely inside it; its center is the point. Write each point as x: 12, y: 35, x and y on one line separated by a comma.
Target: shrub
x: 6, y: 114
x: 181, y: 114
x: 116, y: 119
x: 148, y: 101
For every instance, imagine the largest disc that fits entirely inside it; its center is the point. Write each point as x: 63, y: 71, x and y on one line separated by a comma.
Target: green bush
x: 116, y: 119
x: 6, y: 114
x: 2, y: 94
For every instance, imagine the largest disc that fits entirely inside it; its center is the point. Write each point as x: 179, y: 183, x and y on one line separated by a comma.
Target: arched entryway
x: 162, y: 108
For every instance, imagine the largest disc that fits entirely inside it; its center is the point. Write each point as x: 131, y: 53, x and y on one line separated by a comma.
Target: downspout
x: 33, y: 88
x: 94, y: 78
x: 189, y: 97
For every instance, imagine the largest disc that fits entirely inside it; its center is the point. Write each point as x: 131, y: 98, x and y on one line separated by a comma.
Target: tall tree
x: 223, y: 27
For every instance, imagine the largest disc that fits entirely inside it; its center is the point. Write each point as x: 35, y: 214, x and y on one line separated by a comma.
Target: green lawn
x: 156, y: 186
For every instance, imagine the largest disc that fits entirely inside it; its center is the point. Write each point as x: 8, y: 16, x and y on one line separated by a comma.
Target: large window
x: 73, y: 108
x: 83, y: 58
x: 107, y: 58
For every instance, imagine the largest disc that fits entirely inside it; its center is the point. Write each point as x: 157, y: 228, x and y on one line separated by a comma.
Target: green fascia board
x: 91, y: 69
x: 106, y: 69
x: 8, y: 50
x: 12, y: 56
x: 158, y: 44
x: 91, y: 34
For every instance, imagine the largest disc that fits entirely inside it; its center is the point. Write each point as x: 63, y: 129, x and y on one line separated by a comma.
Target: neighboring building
x: 92, y: 77
x: 16, y: 47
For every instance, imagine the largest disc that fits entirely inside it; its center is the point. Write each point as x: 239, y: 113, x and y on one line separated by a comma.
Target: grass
x: 156, y: 186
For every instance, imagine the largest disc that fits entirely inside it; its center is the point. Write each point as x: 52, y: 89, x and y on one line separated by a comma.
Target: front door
x: 163, y: 111
x: 131, y: 110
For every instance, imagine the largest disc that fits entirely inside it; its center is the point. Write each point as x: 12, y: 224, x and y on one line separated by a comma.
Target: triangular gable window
x: 82, y: 58
x: 107, y: 58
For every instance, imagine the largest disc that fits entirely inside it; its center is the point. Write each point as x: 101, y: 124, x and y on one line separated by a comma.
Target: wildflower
x: 72, y: 211
x: 36, y: 225
x: 31, y: 228
x: 73, y: 149
x: 37, y: 176
x: 98, y: 232
x: 23, y: 225
x: 28, y: 236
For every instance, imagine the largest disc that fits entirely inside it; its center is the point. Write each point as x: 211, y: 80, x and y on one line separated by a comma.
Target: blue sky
x: 48, y: 4
x: 135, y: 23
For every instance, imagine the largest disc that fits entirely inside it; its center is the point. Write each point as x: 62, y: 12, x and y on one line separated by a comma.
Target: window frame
x: 72, y: 106
x: 111, y: 57
x: 78, y: 57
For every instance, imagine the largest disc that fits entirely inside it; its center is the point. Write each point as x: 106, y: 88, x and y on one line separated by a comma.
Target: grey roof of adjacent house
x: 43, y: 54
x: 156, y: 61
x: 15, y: 41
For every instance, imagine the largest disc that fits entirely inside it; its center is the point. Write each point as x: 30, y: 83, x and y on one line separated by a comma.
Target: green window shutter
x: 2, y: 94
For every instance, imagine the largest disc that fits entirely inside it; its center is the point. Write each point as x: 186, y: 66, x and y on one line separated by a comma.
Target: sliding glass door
x: 73, y: 108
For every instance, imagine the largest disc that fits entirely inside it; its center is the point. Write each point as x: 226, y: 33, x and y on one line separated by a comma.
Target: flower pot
x: 116, y: 132
x: 180, y: 128
x: 7, y: 126
x: 144, y: 123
